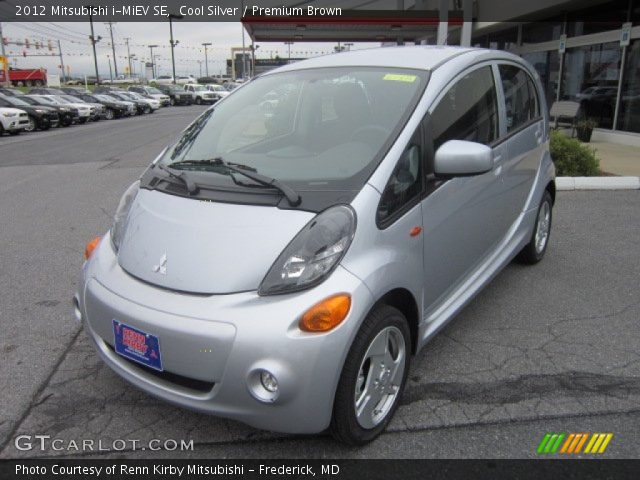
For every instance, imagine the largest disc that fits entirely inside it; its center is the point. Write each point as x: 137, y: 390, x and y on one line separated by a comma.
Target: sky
x: 78, y: 56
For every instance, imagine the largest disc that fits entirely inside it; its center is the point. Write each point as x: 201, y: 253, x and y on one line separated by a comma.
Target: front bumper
x: 211, y: 346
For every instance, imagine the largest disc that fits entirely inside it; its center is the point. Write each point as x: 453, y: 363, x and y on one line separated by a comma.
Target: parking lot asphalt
x: 553, y: 347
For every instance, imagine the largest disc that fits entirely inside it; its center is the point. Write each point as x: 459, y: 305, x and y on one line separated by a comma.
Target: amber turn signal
x: 327, y: 314
x: 91, y: 246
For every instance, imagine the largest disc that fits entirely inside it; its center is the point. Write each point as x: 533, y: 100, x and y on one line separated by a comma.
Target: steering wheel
x: 366, y: 130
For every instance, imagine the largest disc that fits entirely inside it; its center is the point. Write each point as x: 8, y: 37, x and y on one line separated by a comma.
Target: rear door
x: 524, y: 138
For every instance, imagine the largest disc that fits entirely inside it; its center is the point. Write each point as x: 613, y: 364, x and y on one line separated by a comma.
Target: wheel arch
x: 403, y: 300
x: 551, y: 188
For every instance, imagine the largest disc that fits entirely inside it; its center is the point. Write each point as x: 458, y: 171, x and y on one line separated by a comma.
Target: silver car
x: 283, y: 269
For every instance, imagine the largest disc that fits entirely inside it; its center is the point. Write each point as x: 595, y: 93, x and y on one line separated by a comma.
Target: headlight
x: 63, y: 109
x: 9, y: 114
x: 41, y: 111
x: 120, y: 218
x: 313, y: 254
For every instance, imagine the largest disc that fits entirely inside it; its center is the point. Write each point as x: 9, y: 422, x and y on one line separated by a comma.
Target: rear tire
x: 373, y: 377
x: 172, y: 102
x: 109, y: 114
x: 534, y: 251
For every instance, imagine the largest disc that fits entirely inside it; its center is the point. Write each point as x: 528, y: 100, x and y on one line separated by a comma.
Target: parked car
x: 184, y: 80
x: 283, y: 271
x: 75, y: 90
x: 11, y: 92
x: 152, y: 104
x: 68, y: 114
x: 218, y: 90
x: 176, y: 94
x: 162, y: 80
x: 84, y: 111
x: 111, y: 108
x: 152, y: 92
x: 229, y: 86
x: 45, y: 91
x: 98, y: 111
x: 139, y: 107
x: 200, y: 94
x: 40, y: 118
x: 75, y: 81
x: 13, y: 120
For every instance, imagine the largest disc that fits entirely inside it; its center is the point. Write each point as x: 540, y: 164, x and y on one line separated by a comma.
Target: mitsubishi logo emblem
x: 161, y: 268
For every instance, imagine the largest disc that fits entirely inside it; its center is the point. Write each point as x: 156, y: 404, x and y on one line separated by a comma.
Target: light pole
x: 200, y: 66
x: 173, y: 43
x: 113, y: 46
x: 288, y: 44
x: 244, y: 55
x: 253, y: 48
x: 94, y: 40
x: 153, y: 62
x: 206, y: 60
x: 5, y: 65
x: 110, y: 71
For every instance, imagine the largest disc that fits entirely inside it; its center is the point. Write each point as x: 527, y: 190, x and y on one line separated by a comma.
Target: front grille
x: 174, y: 378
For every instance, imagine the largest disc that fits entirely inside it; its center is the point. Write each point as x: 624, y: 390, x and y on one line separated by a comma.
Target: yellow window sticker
x: 397, y: 77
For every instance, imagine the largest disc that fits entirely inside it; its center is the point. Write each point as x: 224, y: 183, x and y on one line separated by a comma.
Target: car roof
x: 419, y: 57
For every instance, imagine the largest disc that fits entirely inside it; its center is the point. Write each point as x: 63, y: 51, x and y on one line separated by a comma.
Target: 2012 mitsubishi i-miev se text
x: 282, y: 261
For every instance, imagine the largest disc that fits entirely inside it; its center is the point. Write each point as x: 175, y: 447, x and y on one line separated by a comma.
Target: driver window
x: 405, y: 184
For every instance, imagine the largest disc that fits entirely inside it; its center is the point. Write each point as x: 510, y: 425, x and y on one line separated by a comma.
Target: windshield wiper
x: 192, y: 188
x: 290, y: 194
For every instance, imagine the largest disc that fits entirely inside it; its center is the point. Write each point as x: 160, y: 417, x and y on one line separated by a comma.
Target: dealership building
x: 584, y: 50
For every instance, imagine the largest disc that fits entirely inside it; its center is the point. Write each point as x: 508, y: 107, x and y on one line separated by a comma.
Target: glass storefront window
x: 547, y: 64
x: 590, y: 76
x: 629, y: 113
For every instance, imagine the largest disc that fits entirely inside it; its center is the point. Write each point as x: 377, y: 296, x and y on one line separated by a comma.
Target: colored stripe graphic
x: 598, y: 442
x: 572, y: 443
x: 550, y: 443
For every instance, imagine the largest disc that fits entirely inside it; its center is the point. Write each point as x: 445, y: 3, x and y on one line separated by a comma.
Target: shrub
x: 572, y: 158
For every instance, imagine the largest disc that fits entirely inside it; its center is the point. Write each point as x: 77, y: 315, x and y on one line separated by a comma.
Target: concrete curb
x: 598, y: 183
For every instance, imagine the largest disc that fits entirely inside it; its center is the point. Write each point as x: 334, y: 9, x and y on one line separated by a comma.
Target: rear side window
x: 520, y: 97
x: 468, y: 111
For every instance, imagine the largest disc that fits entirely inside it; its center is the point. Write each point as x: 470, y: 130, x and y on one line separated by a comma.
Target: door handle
x: 538, y: 134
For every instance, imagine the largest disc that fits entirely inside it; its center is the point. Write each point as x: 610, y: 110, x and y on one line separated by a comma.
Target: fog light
x: 268, y: 381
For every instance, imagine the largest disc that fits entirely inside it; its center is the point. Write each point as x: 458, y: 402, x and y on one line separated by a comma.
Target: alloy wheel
x: 542, y: 228
x: 380, y: 377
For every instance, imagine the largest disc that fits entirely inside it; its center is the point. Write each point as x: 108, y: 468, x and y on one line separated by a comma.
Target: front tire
x: 373, y: 377
x: 31, y: 126
x: 109, y: 114
x: 534, y: 251
x: 198, y: 101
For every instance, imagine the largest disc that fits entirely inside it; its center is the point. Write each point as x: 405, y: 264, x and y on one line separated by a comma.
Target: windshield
x: 48, y: 100
x: 317, y: 128
x: 153, y: 90
x: 215, y: 88
x: 59, y: 99
x: 199, y: 88
x: 104, y: 98
x: 71, y: 98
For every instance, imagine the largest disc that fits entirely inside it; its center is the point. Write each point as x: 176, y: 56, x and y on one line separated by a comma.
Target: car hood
x: 11, y: 110
x: 79, y: 106
x: 204, y: 247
